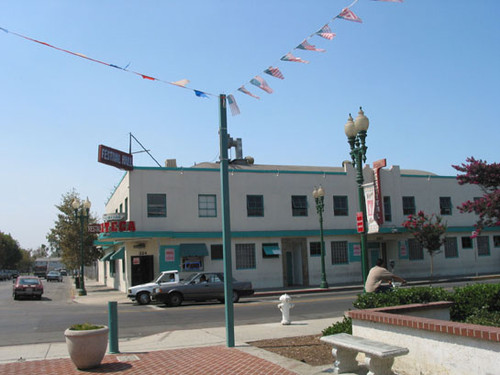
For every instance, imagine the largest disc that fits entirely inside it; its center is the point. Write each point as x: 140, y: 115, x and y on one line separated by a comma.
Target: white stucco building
x: 174, y: 221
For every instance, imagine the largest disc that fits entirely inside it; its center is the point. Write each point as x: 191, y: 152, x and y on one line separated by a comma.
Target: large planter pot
x: 87, y: 348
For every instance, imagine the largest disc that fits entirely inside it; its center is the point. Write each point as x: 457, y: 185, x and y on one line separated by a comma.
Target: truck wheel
x: 174, y: 299
x: 143, y: 298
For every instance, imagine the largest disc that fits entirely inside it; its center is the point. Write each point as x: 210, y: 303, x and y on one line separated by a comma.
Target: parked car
x: 64, y: 272
x: 54, y: 276
x: 201, y: 286
x: 27, y: 286
x: 4, y: 275
x: 142, y: 293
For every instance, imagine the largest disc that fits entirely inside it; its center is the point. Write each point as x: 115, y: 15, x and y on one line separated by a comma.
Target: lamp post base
x: 82, y: 292
x: 323, y: 284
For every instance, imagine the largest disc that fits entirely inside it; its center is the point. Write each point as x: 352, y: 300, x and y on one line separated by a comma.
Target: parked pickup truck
x: 142, y: 293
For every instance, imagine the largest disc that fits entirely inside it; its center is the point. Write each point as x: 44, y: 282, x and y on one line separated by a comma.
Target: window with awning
x: 107, y: 256
x: 193, y: 250
x: 271, y: 250
x: 120, y: 254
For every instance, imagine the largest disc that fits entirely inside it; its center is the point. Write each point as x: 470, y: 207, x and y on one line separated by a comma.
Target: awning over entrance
x: 193, y: 250
x: 107, y: 256
x: 118, y: 254
x: 272, y: 250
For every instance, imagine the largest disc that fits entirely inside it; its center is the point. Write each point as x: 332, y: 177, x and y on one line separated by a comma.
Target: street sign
x: 359, y: 222
x: 94, y: 228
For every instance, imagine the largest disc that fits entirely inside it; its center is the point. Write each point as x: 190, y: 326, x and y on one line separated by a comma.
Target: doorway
x: 377, y: 250
x: 142, y: 269
x: 295, y: 266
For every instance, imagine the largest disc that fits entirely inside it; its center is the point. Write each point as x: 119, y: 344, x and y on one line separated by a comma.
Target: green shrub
x: 402, y: 296
x: 84, y: 327
x: 471, y: 299
x: 345, y: 326
x: 484, y: 317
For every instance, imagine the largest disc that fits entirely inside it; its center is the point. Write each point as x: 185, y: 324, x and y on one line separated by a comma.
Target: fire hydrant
x: 285, y: 307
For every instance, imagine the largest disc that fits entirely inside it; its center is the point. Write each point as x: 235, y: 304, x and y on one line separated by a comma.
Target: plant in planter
x: 87, y: 344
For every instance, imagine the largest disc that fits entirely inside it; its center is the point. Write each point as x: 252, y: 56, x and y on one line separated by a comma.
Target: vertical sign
x: 379, y: 214
x: 369, y: 190
x: 169, y: 255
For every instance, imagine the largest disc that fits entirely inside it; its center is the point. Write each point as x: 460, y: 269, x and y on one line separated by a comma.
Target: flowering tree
x: 429, y: 231
x: 487, y: 176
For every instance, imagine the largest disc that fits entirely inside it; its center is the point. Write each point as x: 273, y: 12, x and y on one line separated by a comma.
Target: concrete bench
x: 379, y: 356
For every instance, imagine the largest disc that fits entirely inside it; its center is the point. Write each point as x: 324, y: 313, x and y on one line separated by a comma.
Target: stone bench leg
x: 345, y: 360
x: 379, y: 366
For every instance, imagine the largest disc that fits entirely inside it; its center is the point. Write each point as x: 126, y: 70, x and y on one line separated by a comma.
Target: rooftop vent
x: 171, y: 163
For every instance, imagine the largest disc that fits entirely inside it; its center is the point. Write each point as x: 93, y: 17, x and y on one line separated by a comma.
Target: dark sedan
x: 201, y: 286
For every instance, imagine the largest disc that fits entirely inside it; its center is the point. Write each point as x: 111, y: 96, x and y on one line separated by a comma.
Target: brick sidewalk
x: 211, y: 360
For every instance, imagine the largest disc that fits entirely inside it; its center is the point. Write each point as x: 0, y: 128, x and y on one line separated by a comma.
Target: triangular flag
x: 349, y: 15
x: 290, y: 57
x: 261, y: 84
x: 200, y: 94
x: 147, y: 77
x: 326, y: 32
x: 232, y: 105
x: 309, y: 47
x: 275, y: 72
x: 245, y: 91
x: 181, y: 83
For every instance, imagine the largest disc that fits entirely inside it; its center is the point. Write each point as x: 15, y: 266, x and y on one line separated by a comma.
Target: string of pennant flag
x: 324, y: 32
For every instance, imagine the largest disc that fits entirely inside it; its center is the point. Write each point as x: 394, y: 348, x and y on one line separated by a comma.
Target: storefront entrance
x: 295, y: 267
x: 142, y: 269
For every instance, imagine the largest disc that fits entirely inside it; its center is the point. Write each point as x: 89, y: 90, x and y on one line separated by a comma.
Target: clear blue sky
x: 426, y: 72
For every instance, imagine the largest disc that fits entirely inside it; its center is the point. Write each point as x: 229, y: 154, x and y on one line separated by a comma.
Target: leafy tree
x: 27, y: 261
x: 10, y: 253
x: 486, y: 176
x: 65, y: 235
x: 41, y: 252
x: 429, y: 231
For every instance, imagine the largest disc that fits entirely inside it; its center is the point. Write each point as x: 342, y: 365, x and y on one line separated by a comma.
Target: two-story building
x: 171, y: 219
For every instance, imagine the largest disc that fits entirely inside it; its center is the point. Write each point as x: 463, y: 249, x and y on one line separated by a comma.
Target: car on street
x: 27, y: 286
x: 142, y: 293
x: 201, y: 286
x: 54, y: 276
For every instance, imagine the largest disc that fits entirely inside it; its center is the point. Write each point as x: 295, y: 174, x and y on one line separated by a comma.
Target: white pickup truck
x: 142, y: 293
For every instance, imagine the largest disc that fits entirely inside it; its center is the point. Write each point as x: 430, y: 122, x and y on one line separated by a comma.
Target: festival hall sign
x: 118, y: 226
x: 115, y: 158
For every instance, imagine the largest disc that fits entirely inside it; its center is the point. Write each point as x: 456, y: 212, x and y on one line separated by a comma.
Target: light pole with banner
x: 355, y: 130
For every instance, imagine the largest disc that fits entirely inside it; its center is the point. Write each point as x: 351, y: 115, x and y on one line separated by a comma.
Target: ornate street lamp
x: 355, y: 130
x: 319, y: 198
x: 81, y: 213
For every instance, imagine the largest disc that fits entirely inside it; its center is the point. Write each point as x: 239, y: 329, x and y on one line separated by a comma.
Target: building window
x: 255, y: 205
x: 451, y: 247
x: 245, y: 256
x: 496, y: 241
x: 409, y: 206
x: 192, y: 264
x: 315, y: 249
x: 416, y: 251
x: 340, y: 205
x: 466, y: 242
x: 339, y: 252
x: 299, y: 205
x: 207, y: 205
x: 126, y: 208
x: 483, y: 245
x: 216, y: 252
x: 271, y: 250
x: 445, y: 205
x: 387, y: 209
x: 157, y: 205
x: 121, y: 207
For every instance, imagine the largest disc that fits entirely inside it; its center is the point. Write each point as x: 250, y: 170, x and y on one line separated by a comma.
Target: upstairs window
x: 409, y: 206
x: 157, y: 205
x: 340, y: 205
x: 387, y: 209
x: 445, y: 205
x: 299, y: 205
x: 207, y: 205
x: 255, y: 205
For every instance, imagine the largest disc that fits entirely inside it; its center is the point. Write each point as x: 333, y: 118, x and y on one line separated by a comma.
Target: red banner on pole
x: 359, y: 222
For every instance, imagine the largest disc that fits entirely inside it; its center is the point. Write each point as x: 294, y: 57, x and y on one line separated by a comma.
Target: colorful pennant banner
x: 181, y: 83
x: 325, y: 32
